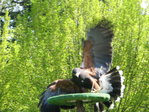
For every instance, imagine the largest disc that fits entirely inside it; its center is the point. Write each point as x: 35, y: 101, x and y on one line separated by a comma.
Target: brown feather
x: 87, y: 58
x: 65, y: 86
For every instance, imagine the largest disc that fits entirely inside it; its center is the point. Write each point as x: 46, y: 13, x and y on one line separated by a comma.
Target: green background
x: 49, y: 47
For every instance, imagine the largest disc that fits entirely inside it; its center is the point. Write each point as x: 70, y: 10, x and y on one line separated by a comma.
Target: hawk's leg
x: 95, y: 87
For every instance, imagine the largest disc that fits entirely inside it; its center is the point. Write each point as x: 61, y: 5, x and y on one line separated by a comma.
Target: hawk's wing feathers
x: 58, y: 87
x: 97, y: 52
x: 87, y: 55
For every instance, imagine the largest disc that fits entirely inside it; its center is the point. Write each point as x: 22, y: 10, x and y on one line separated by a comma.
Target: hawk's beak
x: 77, y: 75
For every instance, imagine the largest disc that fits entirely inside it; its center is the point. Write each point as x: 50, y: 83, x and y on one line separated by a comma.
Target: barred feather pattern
x: 112, y: 83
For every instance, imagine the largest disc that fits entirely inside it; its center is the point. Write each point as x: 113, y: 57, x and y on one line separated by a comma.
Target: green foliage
x: 49, y: 47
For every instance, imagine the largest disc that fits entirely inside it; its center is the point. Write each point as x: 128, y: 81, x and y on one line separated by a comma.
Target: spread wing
x: 97, y: 50
x: 56, y: 88
x: 94, y: 72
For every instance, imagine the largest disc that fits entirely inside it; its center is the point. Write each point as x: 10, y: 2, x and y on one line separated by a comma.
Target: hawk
x: 93, y: 75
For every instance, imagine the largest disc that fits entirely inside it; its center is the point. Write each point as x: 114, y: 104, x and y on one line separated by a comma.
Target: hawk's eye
x: 74, y: 72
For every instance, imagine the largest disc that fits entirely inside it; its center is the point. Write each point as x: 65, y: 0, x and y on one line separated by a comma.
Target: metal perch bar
x: 80, y: 107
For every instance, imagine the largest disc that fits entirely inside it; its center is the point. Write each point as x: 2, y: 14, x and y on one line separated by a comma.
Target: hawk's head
x: 83, y: 78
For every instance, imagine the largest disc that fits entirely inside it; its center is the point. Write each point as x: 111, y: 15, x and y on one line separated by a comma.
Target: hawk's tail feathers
x: 117, y: 80
x: 112, y: 83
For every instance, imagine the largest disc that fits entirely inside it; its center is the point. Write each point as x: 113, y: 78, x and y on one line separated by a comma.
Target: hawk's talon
x: 94, y: 91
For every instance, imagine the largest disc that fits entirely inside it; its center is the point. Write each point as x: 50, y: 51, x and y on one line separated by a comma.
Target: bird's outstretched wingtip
x: 104, y: 23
